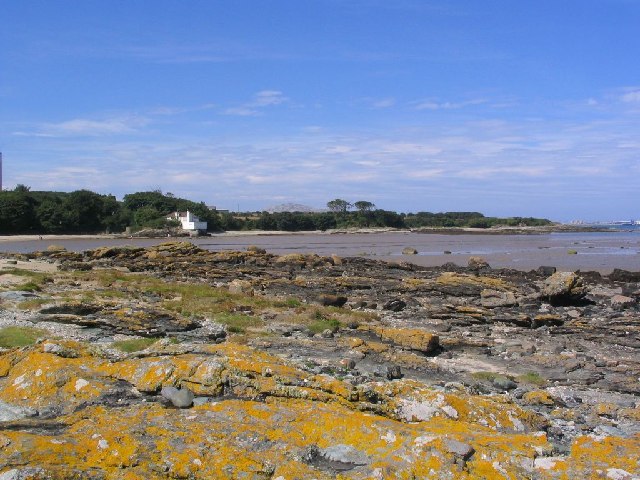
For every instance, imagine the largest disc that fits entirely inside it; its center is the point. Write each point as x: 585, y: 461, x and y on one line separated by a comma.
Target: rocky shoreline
x: 302, y: 366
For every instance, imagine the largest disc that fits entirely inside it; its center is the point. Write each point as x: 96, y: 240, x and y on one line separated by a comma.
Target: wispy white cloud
x: 438, y: 105
x: 486, y: 172
x: 261, y: 100
x: 384, y: 103
x: 426, y: 173
x: 243, y: 111
x: 514, y: 165
x: 267, y: 98
x: 86, y: 127
x: 632, y: 96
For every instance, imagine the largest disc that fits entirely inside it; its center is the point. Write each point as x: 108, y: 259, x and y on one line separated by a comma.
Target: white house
x: 188, y: 221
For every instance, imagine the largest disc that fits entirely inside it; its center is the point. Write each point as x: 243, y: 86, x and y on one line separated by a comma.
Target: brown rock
x: 411, y: 338
x: 241, y: 287
x: 495, y: 298
x: 563, y: 288
x: 621, y: 302
x: 332, y: 300
x: 477, y: 263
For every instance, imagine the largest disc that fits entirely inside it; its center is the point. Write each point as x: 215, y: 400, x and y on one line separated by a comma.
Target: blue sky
x: 506, y: 107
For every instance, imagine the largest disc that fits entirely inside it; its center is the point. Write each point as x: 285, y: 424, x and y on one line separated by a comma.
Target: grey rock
x: 546, y: 270
x: 459, y: 449
x: 10, y: 412
x: 495, y: 298
x: 209, y: 330
x: 60, y: 350
x: 17, y: 295
x: 284, y: 329
x: 395, y: 305
x: 620, y: 302
x: 23, y: 474
x: 180, y: 398
x: 327, y: 333
x: 345, y: 454
x: 393, y: 372
x: 563, y: 288
x: 409, y: 251
x: 619, y: 275
x: 504, y: 383
x: 587, y: 377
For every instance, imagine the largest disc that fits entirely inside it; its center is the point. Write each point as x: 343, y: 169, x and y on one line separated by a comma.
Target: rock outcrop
x: 175, y: 362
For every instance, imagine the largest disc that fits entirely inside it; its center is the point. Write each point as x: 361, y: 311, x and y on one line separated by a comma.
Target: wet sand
x: 594, y: 251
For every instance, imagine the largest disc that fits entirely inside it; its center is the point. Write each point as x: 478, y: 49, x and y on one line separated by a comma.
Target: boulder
x: 477, y: 263
x: 411, y: 338
x: 563, y: 288
x: 241, y: 287
x: 329, y: 300
x: 619, y: 275
x: 620, y: 302
x: 395, y: 305
x: 409, y: 251
x: 256, y: 249
x: 496, y: 298
x: 546, y: 270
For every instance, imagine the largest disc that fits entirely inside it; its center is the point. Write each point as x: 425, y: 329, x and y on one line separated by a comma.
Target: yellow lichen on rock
x: 412, y: 338
x: 457, y: 279
x: 284, y: 423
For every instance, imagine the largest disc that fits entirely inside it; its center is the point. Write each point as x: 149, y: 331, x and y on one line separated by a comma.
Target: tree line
x: 83, y: 211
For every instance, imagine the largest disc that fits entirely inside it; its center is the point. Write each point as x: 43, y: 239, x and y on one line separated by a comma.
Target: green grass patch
x: 33, y: 303
x: 28, y: 287
x: 486, y: 376
x: 237, y: 322
x: 21, y: 272
x: 290, y: 302
x: 322, y: 324
x: 11, y: 337
x: 532, y: 378
x: 134, y: 345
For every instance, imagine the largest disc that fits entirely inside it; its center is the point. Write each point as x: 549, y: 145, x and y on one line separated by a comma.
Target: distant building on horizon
x: 188, y: 221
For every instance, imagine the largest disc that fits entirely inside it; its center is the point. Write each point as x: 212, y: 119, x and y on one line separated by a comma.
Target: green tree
x: 364, y: 211
x: 17, y: 213
x: 147, y: 216
x: 364, y: 206
x: 338, y: 205
x: 51, y: 215
x: 86, y: 211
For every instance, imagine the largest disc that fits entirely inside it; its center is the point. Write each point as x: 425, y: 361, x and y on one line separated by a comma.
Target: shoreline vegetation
x: 147, y: 214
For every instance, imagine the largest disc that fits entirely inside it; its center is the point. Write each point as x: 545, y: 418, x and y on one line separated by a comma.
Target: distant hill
x: 293, y: 207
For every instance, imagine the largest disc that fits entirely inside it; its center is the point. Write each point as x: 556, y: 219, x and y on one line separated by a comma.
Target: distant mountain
x: 292, y: 207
